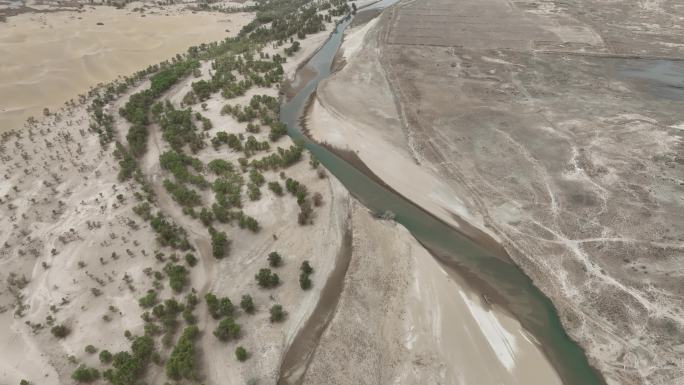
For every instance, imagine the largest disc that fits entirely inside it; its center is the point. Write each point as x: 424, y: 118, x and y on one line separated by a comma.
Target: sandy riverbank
x: 402, y: 319
x: 49, y: 58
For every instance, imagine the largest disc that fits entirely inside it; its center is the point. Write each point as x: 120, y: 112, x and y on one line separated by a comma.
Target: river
x: 505, y: 283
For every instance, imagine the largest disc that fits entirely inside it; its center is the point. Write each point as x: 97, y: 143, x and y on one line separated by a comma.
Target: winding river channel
x: 505, y: 283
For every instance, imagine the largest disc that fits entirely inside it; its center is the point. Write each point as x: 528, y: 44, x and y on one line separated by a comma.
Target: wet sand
x: 47, y: 59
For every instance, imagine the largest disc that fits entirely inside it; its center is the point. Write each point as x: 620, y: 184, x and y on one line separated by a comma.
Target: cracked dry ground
x: 533, y: 112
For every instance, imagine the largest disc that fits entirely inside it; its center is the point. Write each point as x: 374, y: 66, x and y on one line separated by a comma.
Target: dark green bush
x: 247, y: 304
x: 241, y: 354
x: 178, y: 276
x: 277, y: 313
x: 105, y: 357
x: 60, y: 331
x: 85, y: 374
x: 227, y: 329
x: 274, y: 259
x: 266, y: 279
x: 182, y: 362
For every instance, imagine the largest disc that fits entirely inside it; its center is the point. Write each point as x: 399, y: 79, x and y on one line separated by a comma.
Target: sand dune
x: 47, y: 60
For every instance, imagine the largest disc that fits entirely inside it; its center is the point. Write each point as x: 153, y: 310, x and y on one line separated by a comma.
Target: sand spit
x: 49, y: 58
x: 570, y: 158
x: 402, y: 319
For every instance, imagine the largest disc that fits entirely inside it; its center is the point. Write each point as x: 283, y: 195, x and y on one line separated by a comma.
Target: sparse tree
x: 277, y: 313
x: 85, y: 374
x: 247, y: 304
x: 241, y: 354
x: 60, y: 331
x: 306, y: 267
x: 190, y: 259
x: 227, y: 329
x: 105, y: 357
x: 266, y: 279
x: 304, y: 281
x: 274, y: 259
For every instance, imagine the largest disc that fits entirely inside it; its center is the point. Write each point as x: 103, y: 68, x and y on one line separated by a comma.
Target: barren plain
x: 49, y: 58
x: 556, y: 128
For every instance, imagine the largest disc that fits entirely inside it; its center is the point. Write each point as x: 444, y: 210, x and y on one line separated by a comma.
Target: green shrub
x: 181, y: 194
x: 277, y: 313
x: 241, y: 354
x: 253, y: 192
x: 90, y: 349
x: 127, y: 162
x: 266, y: 279
x: 257, y: 178
x: 275, y: 187
x: 248, y: 222
x: 105, y: 357
x: 137, y: 139
x: 247, y: 304
x: 274, y: 259
x: 144, y: 210
x: 219, y: 243
x: 169, y: 233
x: 178, y: 276
x: 227, y: 329
x: 304, y: 281
x: 191, y: 300
x: 60, y: 331
x: 85, y: 374
x: 189, y: 317
x: 190, y: 259
x: 306, y: 267
x: 219, y: 307
x: 128, y: 367
x: 220, y: 167
x: 178, y: 163
x: 149, y: 300
x: 182, y: 362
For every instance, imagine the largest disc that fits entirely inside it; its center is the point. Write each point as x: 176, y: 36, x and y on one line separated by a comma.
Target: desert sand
x: 49, y: 58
